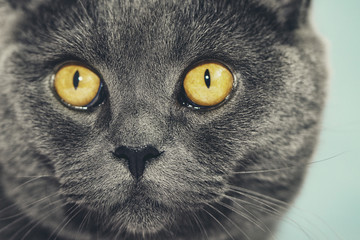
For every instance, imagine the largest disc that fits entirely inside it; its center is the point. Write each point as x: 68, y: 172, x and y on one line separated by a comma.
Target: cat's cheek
x: 47, y: 123
x: 35, y: 197
x: 59, y: 130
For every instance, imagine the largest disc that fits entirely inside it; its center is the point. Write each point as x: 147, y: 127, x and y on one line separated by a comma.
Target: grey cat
x: 144, y: 158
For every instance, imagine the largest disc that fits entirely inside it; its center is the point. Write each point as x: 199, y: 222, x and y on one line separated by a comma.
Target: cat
x: 139, y: 146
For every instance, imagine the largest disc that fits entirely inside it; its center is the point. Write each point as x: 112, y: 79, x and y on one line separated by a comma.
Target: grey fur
x: 142, y: 50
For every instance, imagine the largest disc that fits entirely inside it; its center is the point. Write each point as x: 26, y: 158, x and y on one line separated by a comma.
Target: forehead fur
x: 151, y: 22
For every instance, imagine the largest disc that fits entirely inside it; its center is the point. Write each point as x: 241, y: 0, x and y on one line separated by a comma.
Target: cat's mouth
x: 141, y: 213
x: 138, y: 215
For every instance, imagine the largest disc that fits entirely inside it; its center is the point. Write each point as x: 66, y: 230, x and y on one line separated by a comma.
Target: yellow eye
x: 208, y: 84
x: 77, y: 85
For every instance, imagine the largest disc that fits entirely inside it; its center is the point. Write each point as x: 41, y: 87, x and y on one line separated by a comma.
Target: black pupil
x: 76, y: 79
x: 207, y: 78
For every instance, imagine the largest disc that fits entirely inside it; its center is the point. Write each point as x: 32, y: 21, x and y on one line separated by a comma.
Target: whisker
x: 12, y: 216
x: 264, y: 202
x: 271, y: 200
x: 251, y: 217
x: 83, y: 222
x: 271, y: 209
x: 328, y: 226
x: 221, y: 225
x: 27, y: 182
x: 231, y: 221
x: 26, y: 206
x: 243, y: 215
x: 24, y: 216
x: 78, y: 210
x: 12, y: 223
x: 255, y: 206
x: 277, y: 202
x: 288, y: 167
x: 34, y: 178
x: 201, y: 226
x: 38, y: 222
x: 29, y: 223
x: 41, y: 176
x: 68, y: 212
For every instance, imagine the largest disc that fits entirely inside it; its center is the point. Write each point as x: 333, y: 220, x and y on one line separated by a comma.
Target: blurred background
x: 328, y: 206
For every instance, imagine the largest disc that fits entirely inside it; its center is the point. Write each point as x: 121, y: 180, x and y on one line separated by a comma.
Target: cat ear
x: 290, y: 13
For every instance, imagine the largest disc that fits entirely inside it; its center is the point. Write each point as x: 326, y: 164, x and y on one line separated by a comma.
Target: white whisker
x: 241, y: 214
x: 68, y: 212
x: 26, y: 206
x: 267, y: 202
x: 78, y: 210
x: 83, y: 222
x: 287, y: 167
x: 221, y: 225
x: 231, y: 221
x: 34, y: 178
x: 201, y: 226
x: 36, y: 222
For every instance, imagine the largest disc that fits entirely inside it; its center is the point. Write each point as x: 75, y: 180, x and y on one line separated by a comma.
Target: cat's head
x: 142, y: 155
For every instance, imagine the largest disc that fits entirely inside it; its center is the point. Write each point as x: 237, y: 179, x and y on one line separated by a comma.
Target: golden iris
x: 77, y: 85
x: 208, y: 84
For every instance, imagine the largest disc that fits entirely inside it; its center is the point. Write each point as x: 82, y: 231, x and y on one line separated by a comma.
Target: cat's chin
x: 137, y: 216
x: 140, y: 214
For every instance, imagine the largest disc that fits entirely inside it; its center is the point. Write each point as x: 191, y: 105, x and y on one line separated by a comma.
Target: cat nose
x: 136, y: 158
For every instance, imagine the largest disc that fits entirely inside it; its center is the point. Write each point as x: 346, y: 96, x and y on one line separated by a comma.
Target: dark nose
x: 137, y: 157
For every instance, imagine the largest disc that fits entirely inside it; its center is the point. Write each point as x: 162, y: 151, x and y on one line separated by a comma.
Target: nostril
x: 123, y: 156
x: 137, y: 157
x: 149, y: 156
x: 121, y: 152
x: 151, y: 152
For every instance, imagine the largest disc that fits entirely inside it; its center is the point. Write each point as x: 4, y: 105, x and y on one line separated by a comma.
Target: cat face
x: 144, y: 158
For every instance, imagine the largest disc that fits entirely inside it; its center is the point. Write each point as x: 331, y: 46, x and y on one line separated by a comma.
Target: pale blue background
x: 328, y: 206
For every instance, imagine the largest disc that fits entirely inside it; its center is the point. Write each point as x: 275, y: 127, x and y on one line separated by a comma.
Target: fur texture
x: 224, y: 173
